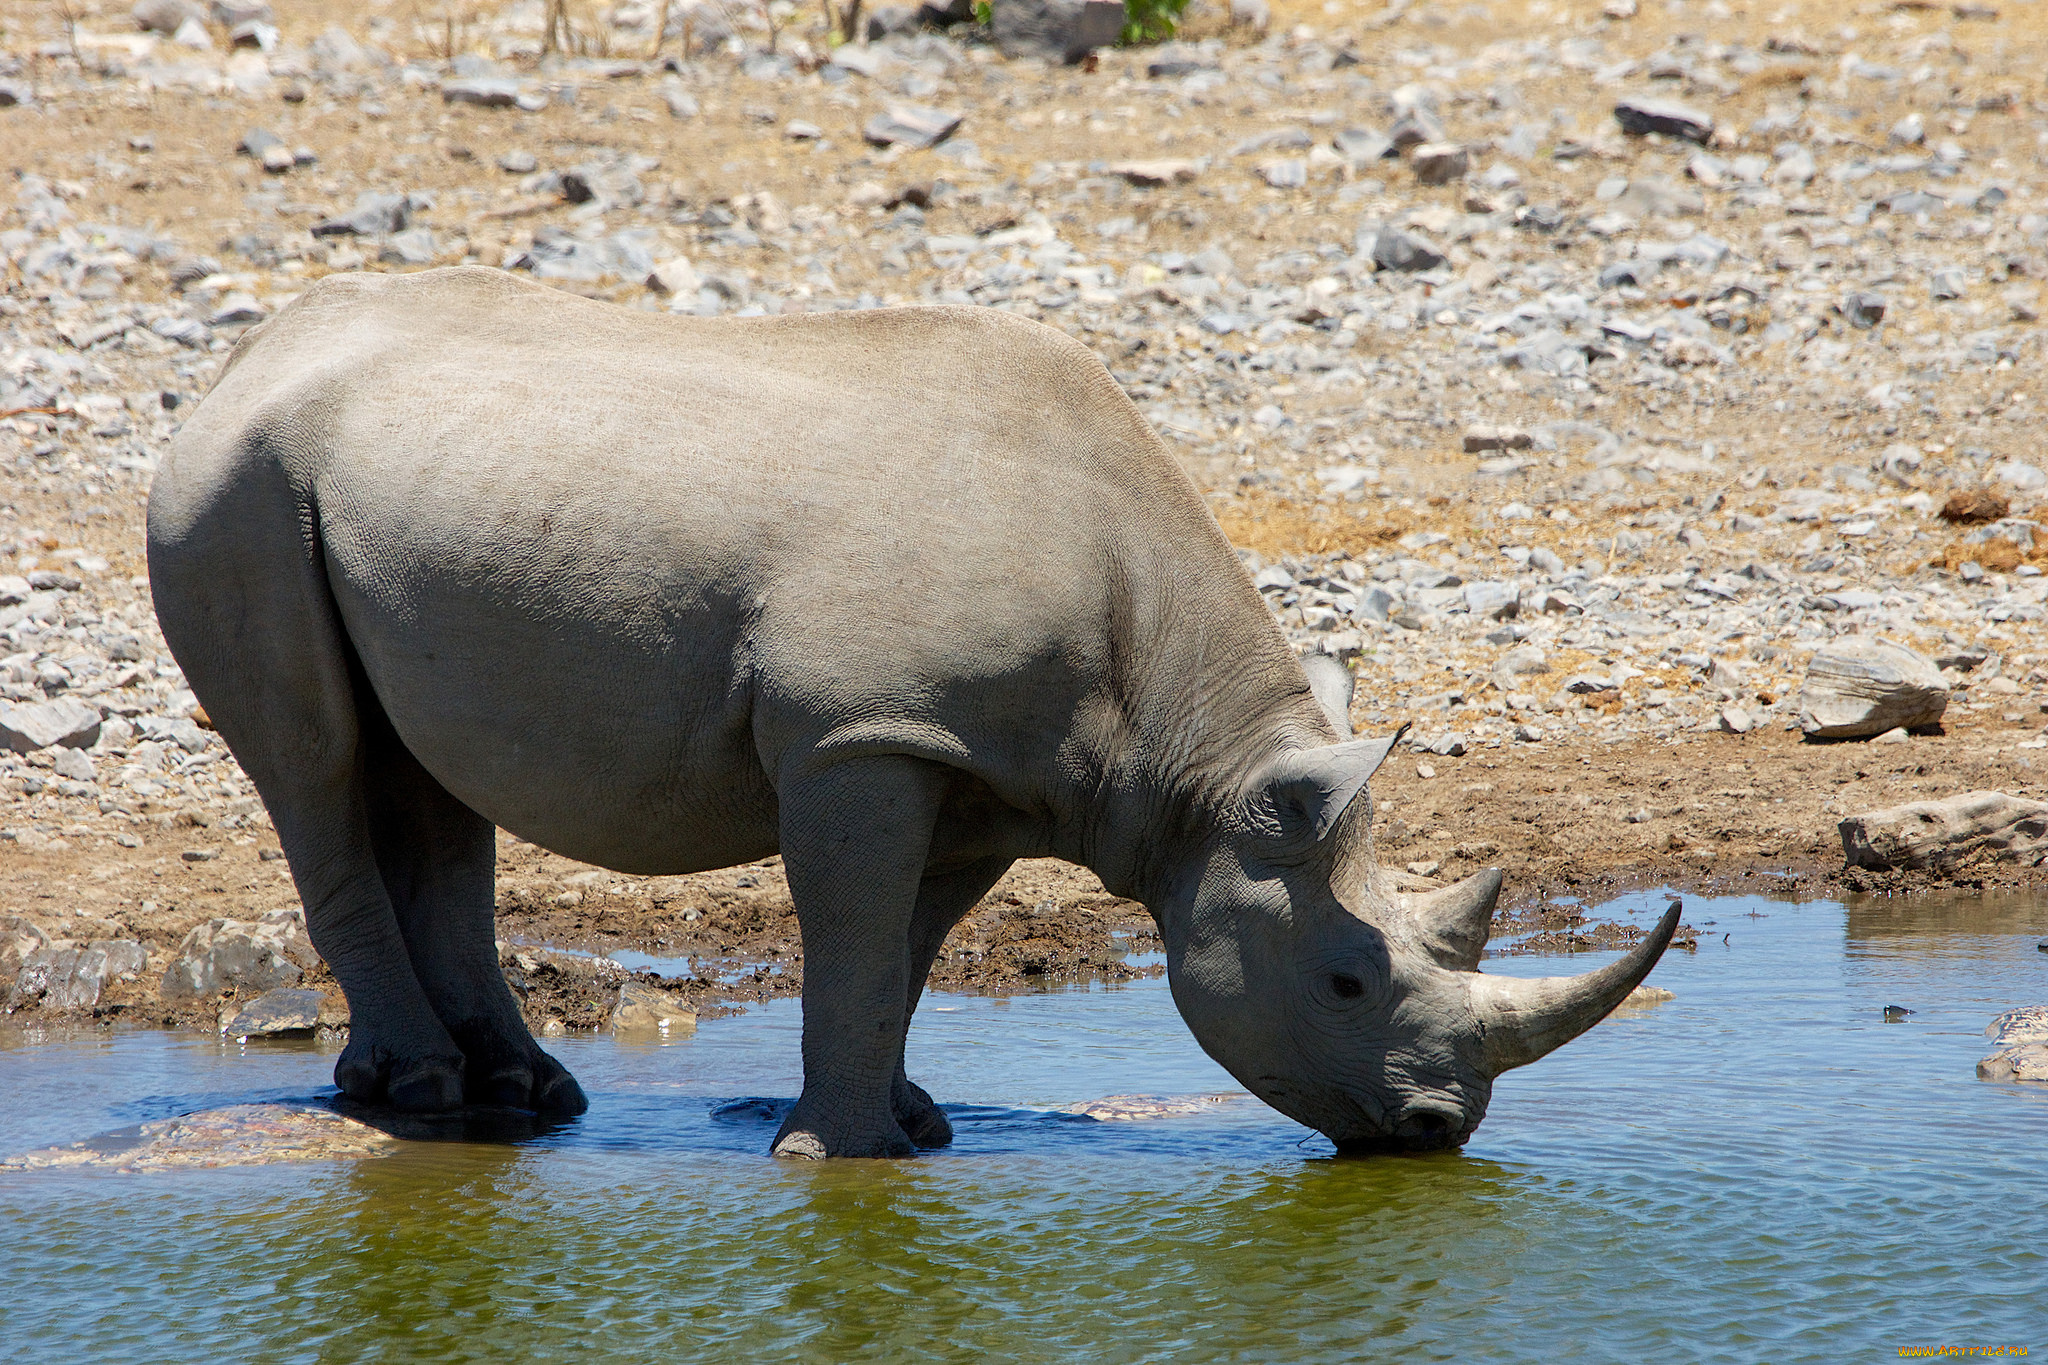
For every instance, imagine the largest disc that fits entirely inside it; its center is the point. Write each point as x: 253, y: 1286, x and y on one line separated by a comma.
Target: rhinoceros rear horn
x: 1521, y: 1019
x: 1454, y: 923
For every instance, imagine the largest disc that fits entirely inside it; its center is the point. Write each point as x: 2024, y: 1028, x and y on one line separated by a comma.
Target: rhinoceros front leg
x: 942, y: 902
x: 855, y: 834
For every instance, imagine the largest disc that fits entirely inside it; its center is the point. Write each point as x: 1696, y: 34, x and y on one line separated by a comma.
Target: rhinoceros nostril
x: 1427, y: 1122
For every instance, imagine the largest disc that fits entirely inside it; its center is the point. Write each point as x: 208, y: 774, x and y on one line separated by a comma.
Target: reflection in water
x: 1760, y: 1169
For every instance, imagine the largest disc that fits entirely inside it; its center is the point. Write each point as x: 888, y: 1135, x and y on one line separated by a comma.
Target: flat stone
x: 285, y: 1009
x: 1393, y: 249
x: 2021, y: 1062
x: 1864, y: 686
x: 1735, y: 721
x: 1482, y: 436
x: 1132, y: 1108
x: 1980, y: 826
x: 910, y: 125
x: 1672, y: 119
x: 1284, y: 173
x: 1439, y: 163
x: 1155, y: 173
x: 487, y: 92
x: 38, y: 725
x: 372, y: 215
x: 644, y: 1007
x: 237, y: 1135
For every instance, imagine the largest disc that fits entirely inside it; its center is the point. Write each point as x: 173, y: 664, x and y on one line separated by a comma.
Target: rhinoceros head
x: 1345, y: 1005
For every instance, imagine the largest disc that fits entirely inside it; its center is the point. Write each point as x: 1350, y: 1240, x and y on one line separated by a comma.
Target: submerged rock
x: 1124, y: 1108
x: 288, y: 1009
x: 2021, y: 1039
x: 644, y: 1007
x: 1857, y: 688
x: 1972, y: 826
x: 238, y: 1135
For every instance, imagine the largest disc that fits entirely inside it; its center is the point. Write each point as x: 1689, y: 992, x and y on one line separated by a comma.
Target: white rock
x: 1865, y: 686
x: 1980, y: 826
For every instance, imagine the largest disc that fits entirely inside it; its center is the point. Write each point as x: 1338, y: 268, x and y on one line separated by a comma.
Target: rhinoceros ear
x: 1304, y: 792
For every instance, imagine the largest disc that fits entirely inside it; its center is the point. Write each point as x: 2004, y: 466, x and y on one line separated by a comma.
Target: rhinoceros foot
x: 811, y: 1133
x: 370, y: 1073
x: 505, y: 1068
x: 922, y: 1120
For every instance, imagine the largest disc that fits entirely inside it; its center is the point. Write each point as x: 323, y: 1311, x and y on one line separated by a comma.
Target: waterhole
x: 1762, y: 1168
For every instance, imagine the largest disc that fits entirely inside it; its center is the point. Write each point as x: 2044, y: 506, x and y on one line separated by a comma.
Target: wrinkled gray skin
x: 903, y: 595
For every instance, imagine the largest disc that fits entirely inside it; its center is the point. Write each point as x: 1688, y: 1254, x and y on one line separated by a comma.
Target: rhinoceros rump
x: 905, y: 595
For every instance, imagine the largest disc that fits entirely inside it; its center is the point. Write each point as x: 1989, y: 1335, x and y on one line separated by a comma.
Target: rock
x: 1256, y: 14
x: 1736, y: 721
x: 1055, y: 30
x: 1910, y: 131
x: 70, y: 977
x: 1972, y: 506
x: 1484, y: 436
x: 1129, y: 1108
x: 1865, y: 686
x: 886, y: 21
x: 1154, y: 173
x: 681, y: 103
x: 166, y: 16
x: 248, y: 955
x: 518, y: 162
x: 1393, y: 249
x: 237, y: 310
x: 641, y: 1006
x: 372, y: 215
x: 1362, y: 146
x: 1439, y: 163
x: 1863, y: 309
x: 486, y: 92
x: 676, y: 276
x: 910, y: 125
x: 1493, y: 601
x: 286, y: 1009
x: 13, y: 93
x: 1284, y: 173
x: 19, y: 940
x: 1896, y: 735
x: 2020, y: 1062
x: 75, y: 764
x: 1640, y: 116
x: 2026, y: 1025
x: 238, y: 1135
x: 38, y: 725
x: 1980, y: 826
x: 1644, y: 997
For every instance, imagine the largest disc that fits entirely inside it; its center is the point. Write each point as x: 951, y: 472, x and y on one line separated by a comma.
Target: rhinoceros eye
x: 1346, y: 985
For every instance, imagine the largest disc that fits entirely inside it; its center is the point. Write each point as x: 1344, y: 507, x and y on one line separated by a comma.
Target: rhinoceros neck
x: 1202, y: 691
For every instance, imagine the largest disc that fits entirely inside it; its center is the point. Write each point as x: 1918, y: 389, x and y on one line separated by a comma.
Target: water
x: 1761, y: 1169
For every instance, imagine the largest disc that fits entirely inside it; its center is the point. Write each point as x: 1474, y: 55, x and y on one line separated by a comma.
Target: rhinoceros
x: 903, y: 595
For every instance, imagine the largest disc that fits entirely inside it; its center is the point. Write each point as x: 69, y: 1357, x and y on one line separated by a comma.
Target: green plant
x: 1151, y: 21
x: 983, y: 11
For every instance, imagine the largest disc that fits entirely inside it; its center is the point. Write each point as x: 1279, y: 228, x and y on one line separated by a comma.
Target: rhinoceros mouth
x: 1422, y: 1129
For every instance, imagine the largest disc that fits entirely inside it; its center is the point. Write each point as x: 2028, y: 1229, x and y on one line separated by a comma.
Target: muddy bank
x: 1574, y: 825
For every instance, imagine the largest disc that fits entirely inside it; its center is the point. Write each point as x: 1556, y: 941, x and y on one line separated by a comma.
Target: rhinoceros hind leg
x: 438, y: 860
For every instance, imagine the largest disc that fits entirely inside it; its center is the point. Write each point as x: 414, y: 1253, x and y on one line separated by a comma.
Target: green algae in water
x: 1760, y: 1169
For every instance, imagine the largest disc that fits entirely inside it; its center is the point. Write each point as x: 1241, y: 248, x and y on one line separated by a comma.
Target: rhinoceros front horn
x: 1521, y: 1019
